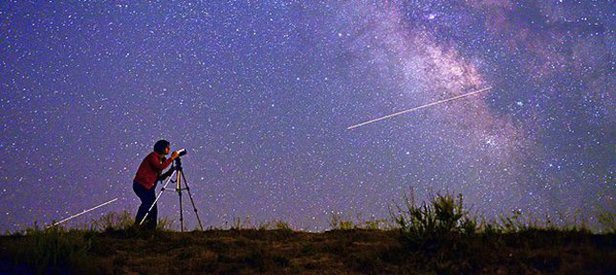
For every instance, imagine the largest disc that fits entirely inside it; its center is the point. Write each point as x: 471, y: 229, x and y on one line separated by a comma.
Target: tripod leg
x: 179, y: 189
x: 156, y: 200
x: 192, y: 201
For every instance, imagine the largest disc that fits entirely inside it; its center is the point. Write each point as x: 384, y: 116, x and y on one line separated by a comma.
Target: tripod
x: 179, y: 177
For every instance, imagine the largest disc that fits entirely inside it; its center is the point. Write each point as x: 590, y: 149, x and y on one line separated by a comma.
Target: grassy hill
x: 430, y: 238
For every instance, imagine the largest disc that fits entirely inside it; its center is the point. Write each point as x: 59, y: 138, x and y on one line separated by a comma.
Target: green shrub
x: 511, y: 224
x: 54, y: 248
x: 377, y: 224
x: 276, y: 224
x: 281, y: 225
x: 607, y: 220
x: 164, y: 224
x: 336, y: 222
x: 489, y: 228
x: 113, y: 221
x: 425, y: 224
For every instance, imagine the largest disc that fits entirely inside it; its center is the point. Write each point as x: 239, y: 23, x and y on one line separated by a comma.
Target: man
x: 148, y: 174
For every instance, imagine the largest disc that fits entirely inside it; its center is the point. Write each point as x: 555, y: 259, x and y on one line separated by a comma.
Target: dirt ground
x: 332, y: 252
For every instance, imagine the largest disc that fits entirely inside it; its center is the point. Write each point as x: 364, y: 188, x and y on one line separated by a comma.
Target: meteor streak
x: 83, y: 212
x: 417, y: 108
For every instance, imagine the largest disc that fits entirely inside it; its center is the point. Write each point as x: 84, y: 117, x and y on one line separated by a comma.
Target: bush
x: 607, y: 220
x: 425, y: 224
x: 113, y: 221
x: 336, y: 222
x: 281, y: 225
x: 274, y: 225
x: 54, y: 248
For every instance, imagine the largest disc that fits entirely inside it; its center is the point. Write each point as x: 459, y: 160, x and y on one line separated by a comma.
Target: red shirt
x: 149, y: 170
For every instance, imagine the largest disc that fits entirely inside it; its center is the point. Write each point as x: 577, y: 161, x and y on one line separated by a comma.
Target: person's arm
x: 166, y: 174
x: 154, y: 161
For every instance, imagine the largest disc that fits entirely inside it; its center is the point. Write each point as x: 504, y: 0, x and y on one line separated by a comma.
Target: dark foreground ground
x: 285, y: 251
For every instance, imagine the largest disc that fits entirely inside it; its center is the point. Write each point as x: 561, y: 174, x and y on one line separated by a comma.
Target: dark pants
x: 147, y: 199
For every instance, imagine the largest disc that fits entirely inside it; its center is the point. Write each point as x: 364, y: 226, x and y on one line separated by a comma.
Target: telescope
x: 182, y: 152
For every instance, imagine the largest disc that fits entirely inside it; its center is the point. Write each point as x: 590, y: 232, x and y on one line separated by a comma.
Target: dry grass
x: 430, y: 237
x: 285, y: 251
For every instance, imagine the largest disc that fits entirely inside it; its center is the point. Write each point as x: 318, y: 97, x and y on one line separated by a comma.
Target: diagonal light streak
x: 83, y: 212
x: 417, y: 108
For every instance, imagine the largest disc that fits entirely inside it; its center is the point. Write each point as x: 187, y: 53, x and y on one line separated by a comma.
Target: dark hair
x: 160, y: 146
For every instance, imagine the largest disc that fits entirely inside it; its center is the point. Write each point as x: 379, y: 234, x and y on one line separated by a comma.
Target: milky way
x: 262, y: 92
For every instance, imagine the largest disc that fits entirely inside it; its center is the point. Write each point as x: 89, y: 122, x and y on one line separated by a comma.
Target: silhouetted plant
x: 424, y: 224
x: 377, y: 224
x: 608, y: 222
x: 164, y: 224
x: 510, y: 224
x: 113, y: 221
x: 276, y: 224
x: 281, y: 225
x: 336, y: 222
x: 53, y: 248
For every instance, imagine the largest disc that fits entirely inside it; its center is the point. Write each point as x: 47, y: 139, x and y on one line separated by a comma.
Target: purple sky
x: 262, y: 92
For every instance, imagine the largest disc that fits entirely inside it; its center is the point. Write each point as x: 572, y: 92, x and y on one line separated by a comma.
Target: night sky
x: 261, y: 94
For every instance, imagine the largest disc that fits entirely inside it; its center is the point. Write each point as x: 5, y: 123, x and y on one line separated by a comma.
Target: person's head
x: 162, y: 147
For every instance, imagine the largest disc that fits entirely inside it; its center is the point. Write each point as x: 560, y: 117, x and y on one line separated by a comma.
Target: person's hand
x: 174, y: 155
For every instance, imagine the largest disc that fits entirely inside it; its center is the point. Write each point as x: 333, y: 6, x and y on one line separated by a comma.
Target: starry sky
x: 261, y: 94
